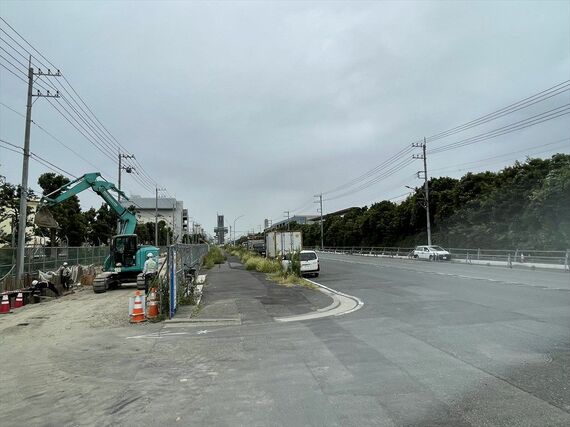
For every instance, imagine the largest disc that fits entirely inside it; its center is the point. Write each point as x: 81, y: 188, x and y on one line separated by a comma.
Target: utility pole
x: 156, y: 215
x: 173, y: 221
x: 235, y: 220
x: 287, y: 213
x: 127, y: 169
x: 320, y: 196
x: 25, y: 164
x: 426, y: 189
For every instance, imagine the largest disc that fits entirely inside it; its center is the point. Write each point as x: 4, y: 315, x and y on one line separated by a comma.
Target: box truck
x: 279, y: 243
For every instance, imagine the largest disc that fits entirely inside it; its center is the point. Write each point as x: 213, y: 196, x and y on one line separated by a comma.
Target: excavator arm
x: 102, y: 188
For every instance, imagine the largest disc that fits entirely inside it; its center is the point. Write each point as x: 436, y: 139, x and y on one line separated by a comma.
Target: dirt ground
x: 60, y: 354
x: 94, y: 310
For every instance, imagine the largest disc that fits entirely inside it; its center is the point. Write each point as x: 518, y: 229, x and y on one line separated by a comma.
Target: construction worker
x: 64, y: 276
x: 37, y: 287
x: 149, y: 270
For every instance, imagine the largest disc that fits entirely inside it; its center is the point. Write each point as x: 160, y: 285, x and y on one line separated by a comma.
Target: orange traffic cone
x: 19, y: 301
x: 5, y: 306
x: 138, y: 311
x: 152, y: 312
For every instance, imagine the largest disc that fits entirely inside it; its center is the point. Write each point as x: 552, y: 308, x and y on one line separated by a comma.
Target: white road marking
x: 342, y: 304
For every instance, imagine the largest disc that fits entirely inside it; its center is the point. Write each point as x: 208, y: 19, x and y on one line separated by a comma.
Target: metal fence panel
x: 180, y: 258
x: 41, y: 258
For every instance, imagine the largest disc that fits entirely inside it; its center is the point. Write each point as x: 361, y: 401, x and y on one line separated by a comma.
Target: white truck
x: 279, y: 243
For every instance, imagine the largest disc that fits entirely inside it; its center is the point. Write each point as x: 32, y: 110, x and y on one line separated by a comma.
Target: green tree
x: 73, y: 224
x: 10, y: 212
x: 101, y: 224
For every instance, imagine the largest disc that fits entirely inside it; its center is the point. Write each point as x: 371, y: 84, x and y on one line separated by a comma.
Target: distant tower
x: 220, y: 230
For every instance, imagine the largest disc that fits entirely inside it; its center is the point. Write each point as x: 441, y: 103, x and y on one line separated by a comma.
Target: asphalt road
x: 435, y: 344
x: 462, y: 343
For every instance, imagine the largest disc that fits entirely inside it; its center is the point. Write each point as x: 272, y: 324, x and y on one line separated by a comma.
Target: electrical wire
x: 519, y: 105
x: 385, y: 174
x: 52, y: 136
x: 105, y: 137
x: 522, y: 124
x: 372, y: 171
x: 7, y: 69
x: 36, y: 157
x: 558, y: 142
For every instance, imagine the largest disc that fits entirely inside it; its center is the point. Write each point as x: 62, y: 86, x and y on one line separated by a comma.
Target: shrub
x: 214, y: 256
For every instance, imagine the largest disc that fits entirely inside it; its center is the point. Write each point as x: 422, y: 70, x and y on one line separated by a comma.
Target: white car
x: 309, y: 263
x: 431, y: 253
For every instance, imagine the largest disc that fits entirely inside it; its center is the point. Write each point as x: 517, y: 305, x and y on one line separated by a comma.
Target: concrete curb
x: 342, y: 304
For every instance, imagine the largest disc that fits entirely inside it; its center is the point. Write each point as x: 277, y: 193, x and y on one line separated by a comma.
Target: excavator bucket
x: 44, y: 218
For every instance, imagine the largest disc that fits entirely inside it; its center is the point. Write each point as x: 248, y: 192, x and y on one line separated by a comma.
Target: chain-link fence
x: 46, y: 259
x: 183, y: 260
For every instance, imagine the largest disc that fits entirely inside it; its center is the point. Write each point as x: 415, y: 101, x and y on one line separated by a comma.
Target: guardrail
x: 506, y: 257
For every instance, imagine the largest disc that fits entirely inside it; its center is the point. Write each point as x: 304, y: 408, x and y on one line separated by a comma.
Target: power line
x: 105, y: 153
x: 519, y: 105
x: 525, y: 151
x: 98, y: 131
x: 522, y: 124
x: 37, y: 157
x: 14, y: 58
x: 7, y: 69
x: 372, y: 171
x: 53, y: 137
x: 385, y: 174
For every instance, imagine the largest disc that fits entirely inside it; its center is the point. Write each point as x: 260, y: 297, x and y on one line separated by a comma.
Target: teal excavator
x: 126, y: 258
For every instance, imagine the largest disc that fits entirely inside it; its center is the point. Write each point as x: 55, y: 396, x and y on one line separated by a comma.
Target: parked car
x: 432, y: 253
x: 309, y: 263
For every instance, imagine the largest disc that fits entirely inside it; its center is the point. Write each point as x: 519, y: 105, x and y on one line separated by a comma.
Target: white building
x: 169, y: 210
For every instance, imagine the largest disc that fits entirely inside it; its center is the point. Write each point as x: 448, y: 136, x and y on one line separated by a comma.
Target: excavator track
x: 102, y: 282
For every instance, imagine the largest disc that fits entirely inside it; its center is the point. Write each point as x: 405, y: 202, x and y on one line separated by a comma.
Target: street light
x: 234, y: 239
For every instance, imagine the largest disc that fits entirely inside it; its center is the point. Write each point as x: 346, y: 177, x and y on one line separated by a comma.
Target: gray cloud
x: 253, y: 107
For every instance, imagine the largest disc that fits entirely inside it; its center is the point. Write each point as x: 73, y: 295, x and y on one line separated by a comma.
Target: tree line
x: 525, y: 206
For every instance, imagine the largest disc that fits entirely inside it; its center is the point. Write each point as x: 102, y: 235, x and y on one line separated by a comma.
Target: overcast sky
x: 254, y: 107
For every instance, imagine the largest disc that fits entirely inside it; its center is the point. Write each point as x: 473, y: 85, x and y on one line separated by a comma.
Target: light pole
x: 234, y: 239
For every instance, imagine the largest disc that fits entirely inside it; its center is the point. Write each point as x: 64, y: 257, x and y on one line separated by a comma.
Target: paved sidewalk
x: 233, y: 294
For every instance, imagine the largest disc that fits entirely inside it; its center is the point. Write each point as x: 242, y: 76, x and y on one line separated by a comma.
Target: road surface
x: 435, y: 344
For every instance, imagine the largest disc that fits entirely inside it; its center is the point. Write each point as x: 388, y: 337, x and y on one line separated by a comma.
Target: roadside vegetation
x: 273, y: 268
x: 213, y: 257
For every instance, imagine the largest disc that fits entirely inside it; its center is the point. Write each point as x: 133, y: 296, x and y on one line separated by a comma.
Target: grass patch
x: 290, y: 280
x: 275, y: 272
x: 262, y: 265
x: 213, y: 257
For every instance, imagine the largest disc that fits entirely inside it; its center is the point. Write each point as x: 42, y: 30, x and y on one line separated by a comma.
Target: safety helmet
x: 65, y: 264
x: 149, y: 255
x: 34, y: 282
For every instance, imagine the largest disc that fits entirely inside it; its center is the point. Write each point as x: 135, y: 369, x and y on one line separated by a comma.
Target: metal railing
x: 373, y: 251
x: 507, y: 257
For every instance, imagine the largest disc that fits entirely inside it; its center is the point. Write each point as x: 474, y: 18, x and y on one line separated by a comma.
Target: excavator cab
x: 124, y: 249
